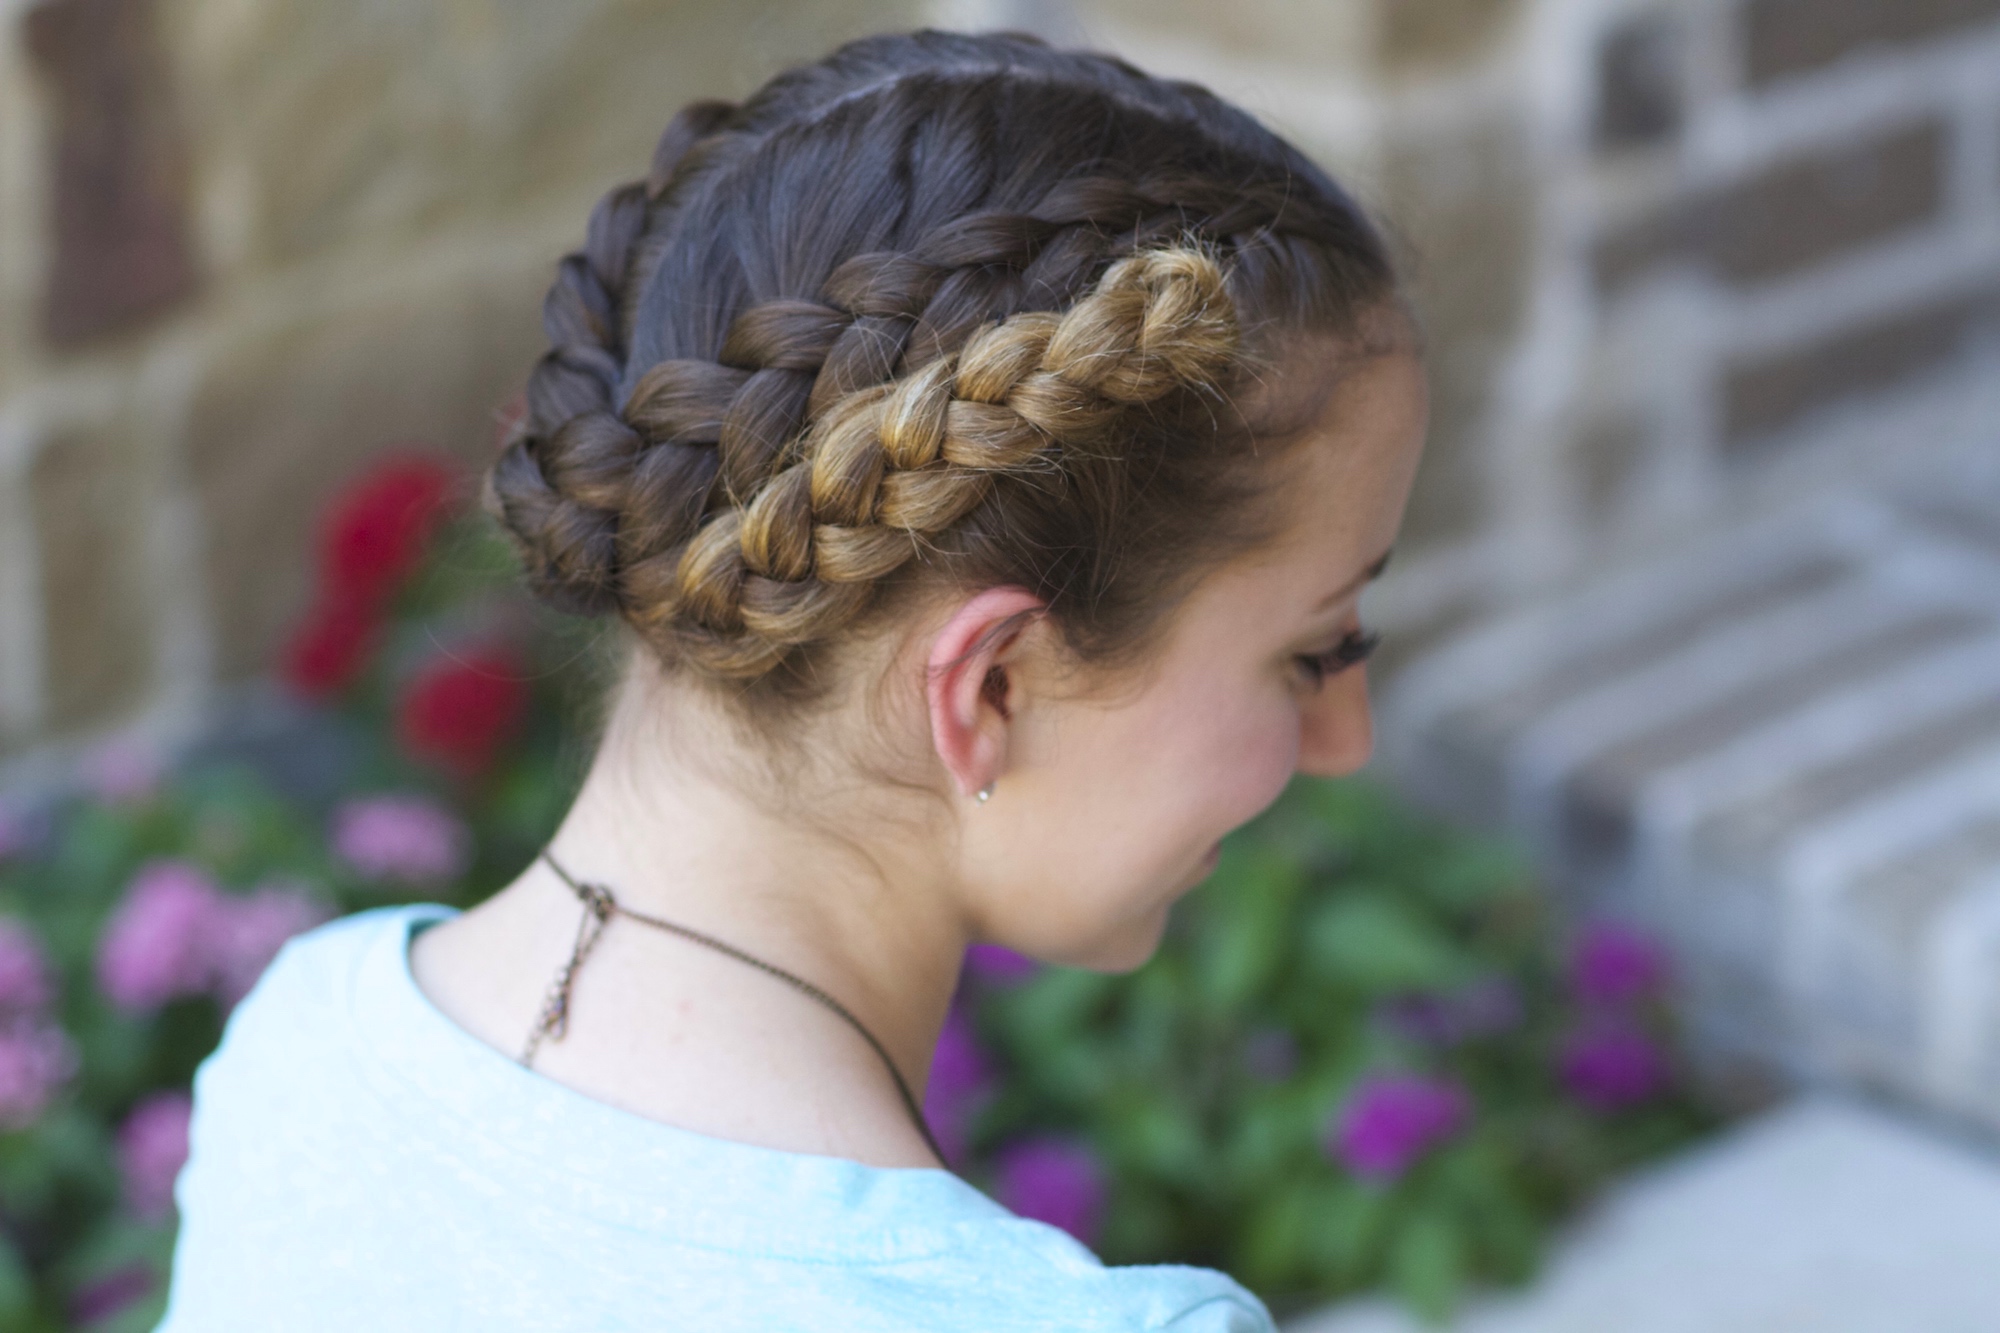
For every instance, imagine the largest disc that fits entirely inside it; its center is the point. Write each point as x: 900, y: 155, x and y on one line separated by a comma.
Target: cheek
x: 1130, y: 805
x: 1229, y: 759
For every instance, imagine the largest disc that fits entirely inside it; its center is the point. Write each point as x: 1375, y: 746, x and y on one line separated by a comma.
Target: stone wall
x: 1663, y: 249
x: 244, y: 244
x: 1670, y: 251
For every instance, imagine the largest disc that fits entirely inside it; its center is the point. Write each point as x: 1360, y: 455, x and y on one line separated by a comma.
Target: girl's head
x: 972, y: 416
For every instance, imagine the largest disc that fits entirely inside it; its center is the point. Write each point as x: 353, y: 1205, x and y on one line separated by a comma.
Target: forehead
x: 1344, y: 479
x: 1340, y: 487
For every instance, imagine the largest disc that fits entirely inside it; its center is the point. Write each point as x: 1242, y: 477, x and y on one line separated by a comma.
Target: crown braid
x: 741, y: 507
x: 571, y: 462
x: 886, y: 466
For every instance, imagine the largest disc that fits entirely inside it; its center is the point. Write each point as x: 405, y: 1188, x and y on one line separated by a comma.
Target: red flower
x: 369, y: 543
x: 459, y: 711
x: 331, y: 648
x: 374, y: 534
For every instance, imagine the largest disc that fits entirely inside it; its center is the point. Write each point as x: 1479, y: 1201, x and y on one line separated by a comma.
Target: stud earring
x: 985, y: 794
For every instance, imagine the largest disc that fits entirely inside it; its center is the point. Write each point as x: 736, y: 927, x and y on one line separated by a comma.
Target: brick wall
x: 1675, y: 256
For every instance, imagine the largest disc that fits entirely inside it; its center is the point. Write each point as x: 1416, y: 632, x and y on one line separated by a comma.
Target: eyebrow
x: 1366, y: 576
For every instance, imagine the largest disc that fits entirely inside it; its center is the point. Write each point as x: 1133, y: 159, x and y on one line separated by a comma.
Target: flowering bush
x: 1364, y: 1055
x: 1358, y: 1058
x: 429, y: 761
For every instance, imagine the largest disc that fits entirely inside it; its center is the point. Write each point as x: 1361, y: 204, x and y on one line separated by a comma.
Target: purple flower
x: 152, y: 1147
x: 1392, y: 1120
x: 155, y: 947
x: 999, y: 964
x: 103, y: 1297
x: 36, y: 1059
x: 249, y: 931
x: 960, y: 1080
x: 1057, y: 1181
x: 1615, y: 965
x: 25, y: 984
x: 1611, y: 1065
x: 1270, y: 1055
x: 1487, y: 1007
x: 401, y: 839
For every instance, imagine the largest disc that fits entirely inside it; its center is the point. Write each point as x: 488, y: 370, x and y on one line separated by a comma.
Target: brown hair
x: 938, y: 307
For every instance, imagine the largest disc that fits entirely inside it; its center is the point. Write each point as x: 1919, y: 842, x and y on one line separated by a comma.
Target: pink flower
x: 1612, y: 1065
x: 152, y: 1147
x: 25, y: 984
x: 1614, y: 965
x: 402, y: 839
x: 997, y: 963
x: 960, y: 1080
x: 124, y: 772
x: 36, y: 1059
x: 1392, y: 1120
x: 1053, y: 1180
x: 155, y: 947
x: 249, y: 931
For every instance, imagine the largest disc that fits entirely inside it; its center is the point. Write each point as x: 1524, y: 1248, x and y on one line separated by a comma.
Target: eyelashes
x: 1354, y: 648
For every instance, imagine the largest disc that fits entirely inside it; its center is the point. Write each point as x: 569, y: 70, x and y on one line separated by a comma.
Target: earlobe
x: 968, y: 686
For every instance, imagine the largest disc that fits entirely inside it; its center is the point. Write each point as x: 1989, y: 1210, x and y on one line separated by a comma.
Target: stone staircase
x: 1780, y: 748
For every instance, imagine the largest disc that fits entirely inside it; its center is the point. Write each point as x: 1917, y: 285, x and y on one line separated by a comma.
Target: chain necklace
x: 599, y: 906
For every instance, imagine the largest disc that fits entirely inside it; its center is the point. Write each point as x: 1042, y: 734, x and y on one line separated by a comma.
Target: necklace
x: 599, y: 906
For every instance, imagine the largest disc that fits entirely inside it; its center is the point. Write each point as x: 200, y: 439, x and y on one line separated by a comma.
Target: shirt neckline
x: 581, y: 1154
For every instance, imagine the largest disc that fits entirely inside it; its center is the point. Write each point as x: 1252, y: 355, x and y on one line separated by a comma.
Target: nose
x: 1336, y: 732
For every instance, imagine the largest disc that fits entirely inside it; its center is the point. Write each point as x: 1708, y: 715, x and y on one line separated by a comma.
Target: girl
x: 985, y: 447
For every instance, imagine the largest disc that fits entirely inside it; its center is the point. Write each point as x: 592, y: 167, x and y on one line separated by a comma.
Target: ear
x: 967, y: 687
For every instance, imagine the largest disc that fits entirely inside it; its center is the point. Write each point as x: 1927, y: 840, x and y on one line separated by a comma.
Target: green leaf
x: 1159, y: 1137
x: 1348, y: 1231
x: 1375, y: 943
x: 17, y: 1288
x: 1427, y: 1264
x: 1273, y: 1250
x: 1248, y: 920
x: 1044, y: 1011
x: 1475, y: 872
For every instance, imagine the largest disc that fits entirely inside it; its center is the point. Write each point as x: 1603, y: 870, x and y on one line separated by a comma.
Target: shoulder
x: 306, y: 1000
x: 323, y: 966
x: 1194, y: 1300
x: 1188, y: 1300
x: 1061, y: 1279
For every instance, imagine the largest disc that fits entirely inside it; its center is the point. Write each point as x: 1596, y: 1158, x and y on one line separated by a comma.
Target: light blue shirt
x: 361, y: 1163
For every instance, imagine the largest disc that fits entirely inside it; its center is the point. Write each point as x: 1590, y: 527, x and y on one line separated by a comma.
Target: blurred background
x: 1699, y: 596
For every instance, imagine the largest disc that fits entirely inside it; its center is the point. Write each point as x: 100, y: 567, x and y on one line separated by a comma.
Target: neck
x: 865, y: 922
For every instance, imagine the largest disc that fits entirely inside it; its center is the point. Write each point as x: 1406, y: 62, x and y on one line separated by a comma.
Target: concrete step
x: 1824, y: 1216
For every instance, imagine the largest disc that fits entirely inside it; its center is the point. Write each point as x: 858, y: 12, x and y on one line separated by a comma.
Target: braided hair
x: 959, y: 308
